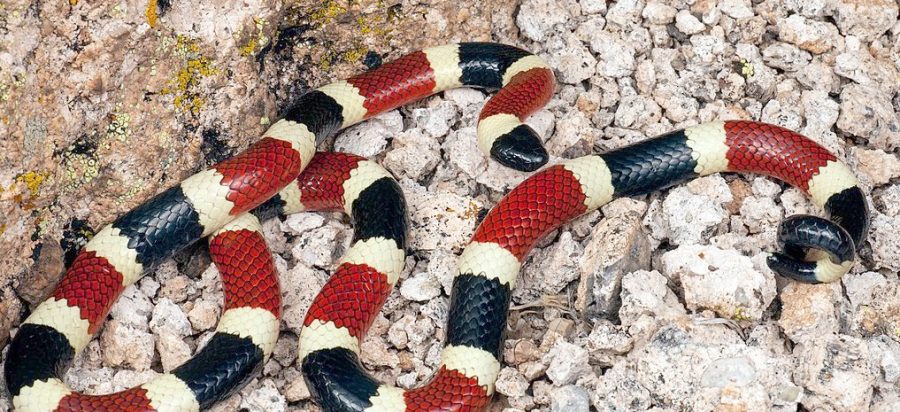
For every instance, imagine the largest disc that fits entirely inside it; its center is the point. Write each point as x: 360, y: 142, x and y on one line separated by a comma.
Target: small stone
x: 438, y: 218
x: 808, y: 311
x: 299, y: 285
x: 265, y: 398
x: 464, y: 98
x: 370, y: 138
x: 168, y: 317
x: 725, y: 372
x: 569, y: 398
x: 511, y: 383
x: 521, y: 351
x: 689, y: 217
x: 637, y: 112
x: 574, y: 136
x: 761, y: 214
x: 316, y: 247
x: 414, y: 154
x: 736, y: 9
x: 616, y: 56
x: 173, y: 351
x: 858, y: 64
x: 874, y: 302
x: 659, y: 13
x: 567, y: 363
x: 436, y: 121
x: 890, y: 402
x: 375, y: 352
x: 888, y: 200
x: 573, y: 62
x: 835, y: 372
x: 606, y: 342
x: 645, y: 293
x: 592, y: 6
x: 813, y: 36
x: 686, y: 23
x: 177, y: 289
x: 203, y: 315
x: 720, y: 280
x: 126, y: 346
x: 867, y: 112
x: 537, y: 17
x: 865, y: 19
x: 878, y: 166
x: 132, y: 309
x: 785, y: 56
x: 421, y: 287
x: 884, y: 241
x: 296, y: 390
x: 618, y: 245
x: 625, y: 13
x: 821, y: 112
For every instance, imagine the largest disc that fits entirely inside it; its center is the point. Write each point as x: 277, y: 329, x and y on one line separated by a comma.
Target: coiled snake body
x: 216, y: 202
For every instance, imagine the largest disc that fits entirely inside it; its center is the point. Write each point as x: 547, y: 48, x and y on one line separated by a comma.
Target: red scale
x: 258, y: 173
x: 92, y: 284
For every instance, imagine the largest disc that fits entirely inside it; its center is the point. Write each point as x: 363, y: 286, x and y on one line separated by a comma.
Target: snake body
x: 216, y: 202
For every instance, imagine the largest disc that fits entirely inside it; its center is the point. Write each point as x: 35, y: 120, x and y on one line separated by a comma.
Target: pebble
x: 687, y: 23
x: 569, y: 398
x: 421, y: 287
x: 885, y: 244
x: 808, y: 311
x: 511, y: 383
x: 867, y: 112
x: 688, y: 217
x: 813, y: 36
x: 566, y: 363
x: 864, y: 19
x: 835, y: 371
x: 877, y: 165
x: 266, y: 398
x: 537, y: 17
x: 659, y: 13
x: 370, y: 138
x: 723, y: 281
x: 617, y: 246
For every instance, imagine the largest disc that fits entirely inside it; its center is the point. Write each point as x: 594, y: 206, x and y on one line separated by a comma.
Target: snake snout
x: 520, y: 149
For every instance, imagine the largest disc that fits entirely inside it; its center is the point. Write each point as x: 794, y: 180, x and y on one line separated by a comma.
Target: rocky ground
x: 656, y: 303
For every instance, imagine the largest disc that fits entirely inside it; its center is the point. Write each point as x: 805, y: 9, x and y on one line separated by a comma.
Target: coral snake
x: 222, y: 202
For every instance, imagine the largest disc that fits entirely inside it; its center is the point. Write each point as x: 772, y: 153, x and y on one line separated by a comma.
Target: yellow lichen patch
x: 373, y: 24
x: 32, y: 181
x: 135, y: 188
x: 747, y: 69
x: 151, y: 13
x: 249, y: 48
x: 118, y: 127
x: 4, y: 92
x: 79, y: 169
x: 182, y: 86
x: 326, y: 14
x: 258, y: 41
x: 356, y: 54
x: 740, y: 314
x: 326, y: 60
